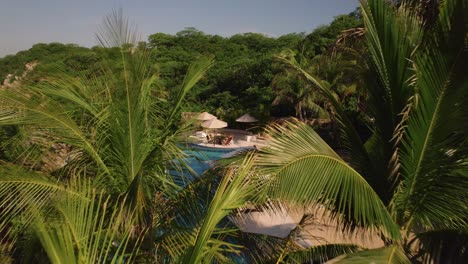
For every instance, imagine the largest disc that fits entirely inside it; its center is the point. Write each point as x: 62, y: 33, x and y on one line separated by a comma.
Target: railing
x: 234, y: 131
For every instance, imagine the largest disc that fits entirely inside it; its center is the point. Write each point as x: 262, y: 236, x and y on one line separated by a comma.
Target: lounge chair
x: 200, y: 134
x: 228, y: 141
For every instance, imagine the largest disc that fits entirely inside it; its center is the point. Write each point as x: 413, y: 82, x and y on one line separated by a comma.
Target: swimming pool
x: 199, y: 159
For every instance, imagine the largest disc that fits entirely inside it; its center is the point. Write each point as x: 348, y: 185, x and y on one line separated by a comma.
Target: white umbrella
x: 246, y: 119
x: 214, y: 123
x: 205, y: 116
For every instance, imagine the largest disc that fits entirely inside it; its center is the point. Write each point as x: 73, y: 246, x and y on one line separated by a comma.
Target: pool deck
x: 241, y: 139
x: 237, y: 143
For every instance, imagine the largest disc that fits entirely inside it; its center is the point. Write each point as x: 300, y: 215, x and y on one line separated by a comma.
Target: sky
x: 24, y: 23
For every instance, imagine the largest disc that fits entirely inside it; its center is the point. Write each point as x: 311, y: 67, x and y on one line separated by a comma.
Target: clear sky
x: 27, y: 22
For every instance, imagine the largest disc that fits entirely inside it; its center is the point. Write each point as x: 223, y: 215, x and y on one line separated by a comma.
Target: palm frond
x: 180, y: 217
x: 235, y: 188
x: 389, y: 93
x: 390, y: 255
x: 320, y: 253
x: 22, y: 191
x: 304, y: 170
x: 33, y: 108
x: 385, y: 26
x: 85, y: 92
x: 195, y: 72
x: 116, y: 31
x: 433, y: 154
x: 5, y: 253
x: 260, y: 248
x: 360, y: 157
x: 439, y: 246
x: 86, y: 229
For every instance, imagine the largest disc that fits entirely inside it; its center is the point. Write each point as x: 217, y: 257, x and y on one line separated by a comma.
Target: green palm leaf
x: 433, y: 154
x: 360, y: 157
x: 116, y: 31
x: 439, y: 246
x: 390, y: 91
x: 25, y: 106
x: 22, y: 191
x: 86, y: 229
x: 392, y: 36
x: 234, y: 190
x: 390, y: 255
x: 319, y: 253
x: 305, y: 170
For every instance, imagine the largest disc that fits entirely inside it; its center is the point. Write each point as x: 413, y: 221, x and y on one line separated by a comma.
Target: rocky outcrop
x: 57, y: 157
x: 12, y: 80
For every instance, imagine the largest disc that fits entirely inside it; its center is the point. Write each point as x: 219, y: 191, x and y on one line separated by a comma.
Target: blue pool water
x: 199, y: 159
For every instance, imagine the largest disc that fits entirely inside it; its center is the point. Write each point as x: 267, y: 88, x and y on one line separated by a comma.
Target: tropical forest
x: 347, y: 144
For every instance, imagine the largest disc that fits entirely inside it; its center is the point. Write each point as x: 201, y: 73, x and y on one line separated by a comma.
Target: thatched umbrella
x: 205, y: 116
x: 214, y: 123
x: 247, y: 118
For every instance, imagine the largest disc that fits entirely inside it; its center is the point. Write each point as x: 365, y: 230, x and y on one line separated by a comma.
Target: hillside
x: 240, y: 81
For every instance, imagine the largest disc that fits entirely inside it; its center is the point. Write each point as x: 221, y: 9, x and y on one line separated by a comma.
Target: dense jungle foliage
x: 239, y: 82
x: 89, y: 138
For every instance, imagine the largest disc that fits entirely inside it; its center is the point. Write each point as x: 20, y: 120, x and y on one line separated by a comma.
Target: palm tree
x: 114, y: 200
x: 121, y: 124
x: 416, y: 158
x: 290, y: 88
x: 125, y: 145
